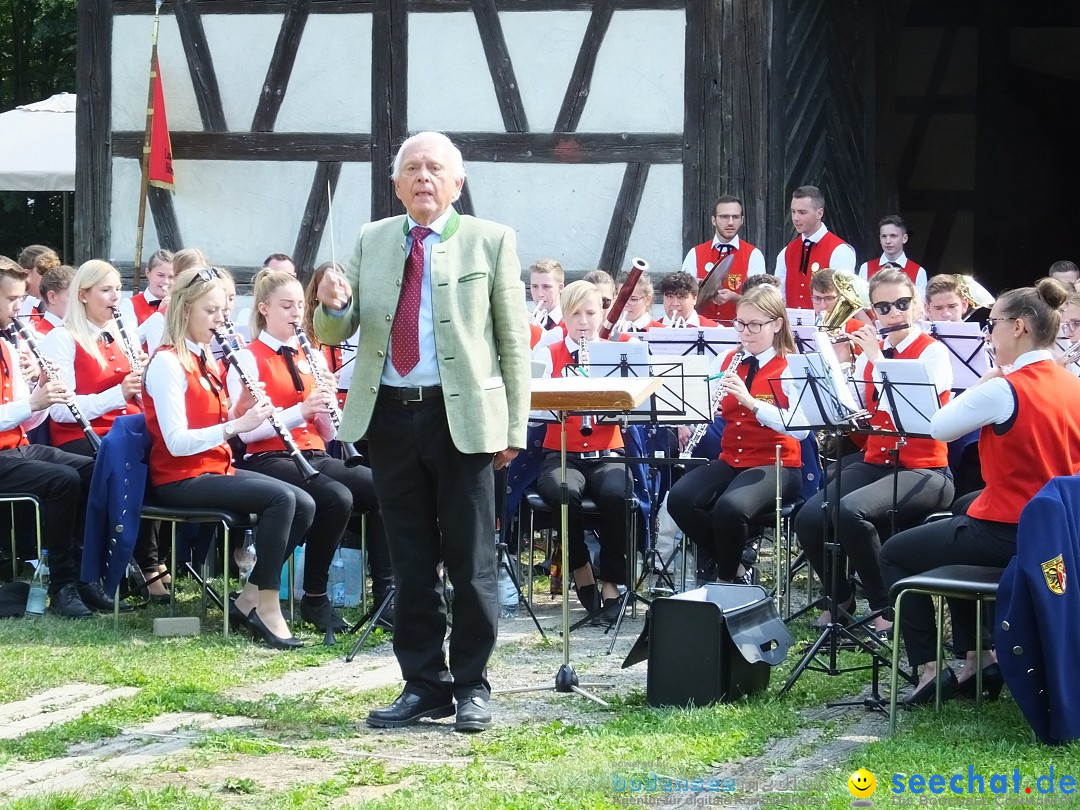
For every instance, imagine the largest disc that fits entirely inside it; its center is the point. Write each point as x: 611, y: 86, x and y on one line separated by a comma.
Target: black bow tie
x: 154, y: 304
x: 723, y: 250
x: 106, y: 338
x: 893, y: 265
x: 804, y: 262
x: 289, y: 353
x: 752, y: 366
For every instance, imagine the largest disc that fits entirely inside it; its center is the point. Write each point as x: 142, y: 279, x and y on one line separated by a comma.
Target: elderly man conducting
x: 441, y: 390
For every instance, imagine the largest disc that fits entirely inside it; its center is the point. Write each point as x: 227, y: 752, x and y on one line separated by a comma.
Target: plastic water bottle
x: 508, y: 595
x: 245, y: 560
x: 39, y: 587
x: 336, y: 589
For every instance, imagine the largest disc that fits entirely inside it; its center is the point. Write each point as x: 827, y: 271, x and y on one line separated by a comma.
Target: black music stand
x: 821, y: 406
x: 967, y: 350
x: 372, y: 615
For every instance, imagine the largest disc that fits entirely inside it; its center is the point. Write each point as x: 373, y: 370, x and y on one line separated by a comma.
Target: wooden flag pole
x: 144, y: 184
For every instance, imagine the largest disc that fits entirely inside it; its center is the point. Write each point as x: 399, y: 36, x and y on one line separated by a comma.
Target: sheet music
x: 801, y: 317
x: 910, y: 396
x: 707, y: 340
x: 832, y: 401
x: 967, y: 350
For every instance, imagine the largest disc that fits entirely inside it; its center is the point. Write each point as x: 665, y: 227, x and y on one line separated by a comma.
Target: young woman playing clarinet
x: 590, y: 465
x: 307, y: 394
x: 715, y: 503
x: 1027, y: 438
x: 190, y: 422
x: 923, y: 481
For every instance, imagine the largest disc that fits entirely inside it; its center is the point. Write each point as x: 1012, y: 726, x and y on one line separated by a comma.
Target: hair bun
x: 1052, y: 291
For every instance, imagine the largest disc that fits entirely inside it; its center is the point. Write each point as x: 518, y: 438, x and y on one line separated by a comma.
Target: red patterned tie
x: 405, y: 336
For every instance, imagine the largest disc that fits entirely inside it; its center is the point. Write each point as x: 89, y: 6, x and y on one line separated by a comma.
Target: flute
x: 718, y: 397
x: 49, y: 369
x: 881, y: 332
x: 307, y: 472
x: 347, y: 448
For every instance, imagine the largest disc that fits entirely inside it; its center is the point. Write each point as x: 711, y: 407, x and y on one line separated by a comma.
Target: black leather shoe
x: 315, y: 613
x: 925, y: 695
x: 408, y: 709
x: 589, y: 596
x: 611, y: 610
x: 93, y: 596
x: 472, y: 715
x: 237, y: 619
x: 259, y: 629
x: 66, y: 602
x: 992, y: 683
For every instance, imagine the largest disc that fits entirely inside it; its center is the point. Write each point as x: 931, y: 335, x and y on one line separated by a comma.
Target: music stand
x: 967, y: 350
x: 564, y: 396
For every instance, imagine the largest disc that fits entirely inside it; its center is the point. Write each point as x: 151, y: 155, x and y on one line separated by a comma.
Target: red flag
x: 161, y: 165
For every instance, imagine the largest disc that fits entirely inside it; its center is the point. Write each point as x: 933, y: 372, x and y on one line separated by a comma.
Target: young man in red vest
x: 727, y: 218
x: 813, y: 244
x: 893, y: 235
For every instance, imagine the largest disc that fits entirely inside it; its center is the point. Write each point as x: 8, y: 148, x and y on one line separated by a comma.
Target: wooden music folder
x: 592, y: 394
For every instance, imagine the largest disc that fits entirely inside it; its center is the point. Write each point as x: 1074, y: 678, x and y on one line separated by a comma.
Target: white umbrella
x: 37, y: 146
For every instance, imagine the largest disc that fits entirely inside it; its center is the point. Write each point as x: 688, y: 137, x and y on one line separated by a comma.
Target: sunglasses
x: 901, y: 304
x: 209, y: 273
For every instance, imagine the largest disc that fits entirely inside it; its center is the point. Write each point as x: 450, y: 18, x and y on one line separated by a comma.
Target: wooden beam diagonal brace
x: 201, y: 65
x: 577, y: 91
x: 313, y: 223
x: 164, y: 214
x: 281, y: 65
x: 623, y: 217
x: 507, y: 91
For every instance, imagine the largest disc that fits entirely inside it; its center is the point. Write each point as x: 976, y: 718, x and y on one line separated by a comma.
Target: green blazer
x: 481, y: 332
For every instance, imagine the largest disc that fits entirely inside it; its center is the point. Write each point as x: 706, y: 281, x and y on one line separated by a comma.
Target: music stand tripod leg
x: 373, y: 615
x: 503, y: 554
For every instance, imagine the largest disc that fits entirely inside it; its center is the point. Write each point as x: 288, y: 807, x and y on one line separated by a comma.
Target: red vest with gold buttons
x: 14, y: 436
x: 1043, y: 442
x: 206, y: 403
x: 911, y: 269
x: 142, y: 308
x: 274, y: 375
x: 745, y: 441
x: 704, y: 254
x: 93, y: 378
x: 604, y: 437
x: 797, y: 285
x: 917, y: 454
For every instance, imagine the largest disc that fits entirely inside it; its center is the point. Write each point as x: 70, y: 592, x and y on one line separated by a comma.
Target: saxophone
x: 702, y: 429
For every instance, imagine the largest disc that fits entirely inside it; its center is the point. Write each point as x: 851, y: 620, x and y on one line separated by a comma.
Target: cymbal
x: 713, y: 282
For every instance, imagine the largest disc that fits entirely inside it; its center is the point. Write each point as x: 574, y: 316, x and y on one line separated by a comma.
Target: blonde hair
x: 644, y: 284
x: 266, y: 281
x: 187, y: 258
x: 548, y: 267
x: 190, y: 286
x: 944, y: 283
x: 78, y: 325
x: 767, y: 299
x: 574, y: 295
x: 891, y: 275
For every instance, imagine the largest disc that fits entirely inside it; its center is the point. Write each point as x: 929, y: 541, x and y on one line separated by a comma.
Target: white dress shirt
x: 59, y: 346
x: 935, y: 357
x: 773, y: 416
x: 127, y: 312
x: 842, y: 258
x: 902, y: 260
x: 755, y: 267
x: 17, y: 412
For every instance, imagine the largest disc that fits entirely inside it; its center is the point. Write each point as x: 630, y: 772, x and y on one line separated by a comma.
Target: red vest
x: 704, y: 254
x: 797, y: 285
x: 745, y: 441
x: 1043, y: 442
x: 604, y: 437
x: 204, y: 407
x: 15, y: 436
x: 274, y: 375
x: 917, y: 453
x: 334, y: 362
x: 911, y: 270
x: 43, y: 326
x: 142, y: 308
x: 92, y: 378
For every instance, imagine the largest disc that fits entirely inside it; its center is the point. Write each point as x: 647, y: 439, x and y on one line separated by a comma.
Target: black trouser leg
x: 549, y: 484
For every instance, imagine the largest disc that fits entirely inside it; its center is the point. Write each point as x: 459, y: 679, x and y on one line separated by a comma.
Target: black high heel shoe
x: 258, y: 628
x: 992, y: 682
x: 925, y: 694
x: 237, y: 619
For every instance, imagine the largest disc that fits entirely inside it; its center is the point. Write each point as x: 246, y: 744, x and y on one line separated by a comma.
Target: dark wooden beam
x: 164, y: 214
x: 917, y: 136
x: 389, y: 99
x: 933, y: 199
x: 281, y: 65
x: 623, y: 217
x: 935, y: 14
x: 956, y: 104
x: 937, y: 241
x: 993, y: 252
x: 502, y: 70
x: 93, y: 105
x: 367, y: 6
x: 464, y: 205
x: 200, y: 64
x: 577, y: 91
x: 585, y: 148
x: 313, y: 222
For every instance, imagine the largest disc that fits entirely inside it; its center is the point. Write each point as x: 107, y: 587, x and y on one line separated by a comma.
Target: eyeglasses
x: 209, y: 273
x: 637, y: 299
x: 753, y: 327
x: 992, y: 322
x: 901, y: 304
x: 728, y: 217
x: 605, y: 303
x: 823, y: 299
x: 1071, y: 325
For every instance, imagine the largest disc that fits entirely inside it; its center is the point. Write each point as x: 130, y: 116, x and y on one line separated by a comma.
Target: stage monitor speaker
x: 711, y: 644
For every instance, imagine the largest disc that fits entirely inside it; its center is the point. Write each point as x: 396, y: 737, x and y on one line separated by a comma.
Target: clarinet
x: 48, y: 368
x: 700, y: 430
x: 583, y: 365
x: 307, y: 472
x: 128, y: 344
x: 230, y: 329
x: 347, y: 448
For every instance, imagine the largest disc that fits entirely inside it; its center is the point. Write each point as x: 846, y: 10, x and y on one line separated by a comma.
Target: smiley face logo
x: 862, y: 784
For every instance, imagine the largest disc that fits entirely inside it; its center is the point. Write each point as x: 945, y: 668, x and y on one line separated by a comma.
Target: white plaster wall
x: 558, y: 211
x: 638, y: 82
x: 657, y: 233
x: 241, y: 46
x: 330, y: 86
x: 450, y: 87
x: 132, y: 35
x: 351, y: 209
x: 543, y: 47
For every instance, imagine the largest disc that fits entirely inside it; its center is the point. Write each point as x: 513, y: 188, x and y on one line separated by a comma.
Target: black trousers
x: 438, y: 505
x: 285, y: 513
x: 958, y: 541
x: 608, y: 483
x: 61, y: 481
x: 715, y: 503
x: 867, y: 498
x: 337, y: 491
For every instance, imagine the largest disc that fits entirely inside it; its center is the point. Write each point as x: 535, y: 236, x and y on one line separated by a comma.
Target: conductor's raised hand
x: 334, y: 290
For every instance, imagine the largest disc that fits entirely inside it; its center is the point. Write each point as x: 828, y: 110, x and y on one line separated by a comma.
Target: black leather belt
x: 406, y: 395
x: 594, y: 454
